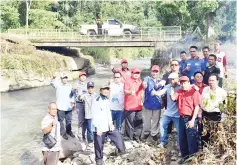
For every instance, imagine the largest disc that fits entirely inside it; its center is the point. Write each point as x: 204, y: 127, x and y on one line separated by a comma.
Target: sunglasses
x: 192, y: 51
x: 65, y: 77
x: 205, y: 51
x: 116, y: 77
x: 136, y: 73
x: 174, y: 64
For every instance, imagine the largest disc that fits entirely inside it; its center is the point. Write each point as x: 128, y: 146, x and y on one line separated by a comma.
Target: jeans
x: 67, y: 115
x: 89, y: 130
x: 117, y: 116
x: 80, y: 109
x: 165, y: 120
x: 188, y: 137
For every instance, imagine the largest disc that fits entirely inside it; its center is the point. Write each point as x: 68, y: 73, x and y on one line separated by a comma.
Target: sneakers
x: 65, y: 137
x: 71, y: 134
x: 161, y: 145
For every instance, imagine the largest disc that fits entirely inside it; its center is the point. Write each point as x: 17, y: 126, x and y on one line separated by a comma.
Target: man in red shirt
x: 188, y: 106
x: 133, y: 106
x: 125, y: 72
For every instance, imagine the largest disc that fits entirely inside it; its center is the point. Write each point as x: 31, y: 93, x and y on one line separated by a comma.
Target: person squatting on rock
x: 133, y: 106
x: 103, y: 125
x: 50, y: 125
x: 65, y: 104
x: 87, y: 99
x: 80, y: 88
x: 152, y: 104
x: 117, y: 100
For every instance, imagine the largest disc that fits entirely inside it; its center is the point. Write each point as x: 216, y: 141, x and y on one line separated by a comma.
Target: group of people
x: 129, y: 108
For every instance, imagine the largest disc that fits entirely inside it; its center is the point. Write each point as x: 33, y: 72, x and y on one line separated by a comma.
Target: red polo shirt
x: 187, y: 101
x: 133, y: 102
x: 201, y: 87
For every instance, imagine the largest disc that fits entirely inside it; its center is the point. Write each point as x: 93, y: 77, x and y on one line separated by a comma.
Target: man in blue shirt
x: 206, y: 52
x: 152, y: 104
x: 194, y: 64
x: 183, y: 62
x: 171, y: 113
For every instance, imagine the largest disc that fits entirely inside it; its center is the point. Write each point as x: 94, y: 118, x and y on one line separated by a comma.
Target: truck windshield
x: 114, y: 22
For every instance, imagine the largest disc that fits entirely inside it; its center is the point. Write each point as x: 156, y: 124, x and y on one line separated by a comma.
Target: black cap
x: 90, y: 84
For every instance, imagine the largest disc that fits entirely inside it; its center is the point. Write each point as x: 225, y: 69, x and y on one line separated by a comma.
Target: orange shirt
x: 133, y: 102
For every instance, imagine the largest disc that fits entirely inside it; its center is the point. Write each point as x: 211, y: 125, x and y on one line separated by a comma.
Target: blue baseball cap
x: 90, y: 84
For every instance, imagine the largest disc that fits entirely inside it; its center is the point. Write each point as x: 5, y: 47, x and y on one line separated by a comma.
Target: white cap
x: 173, y: 75
x: 62, y: 75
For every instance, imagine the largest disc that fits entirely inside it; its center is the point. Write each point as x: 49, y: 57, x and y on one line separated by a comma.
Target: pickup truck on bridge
x: 111, y: 27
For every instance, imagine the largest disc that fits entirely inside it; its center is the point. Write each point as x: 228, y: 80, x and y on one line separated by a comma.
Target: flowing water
x: 21, y: 115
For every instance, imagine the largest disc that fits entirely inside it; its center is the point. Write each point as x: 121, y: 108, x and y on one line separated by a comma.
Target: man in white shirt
x: 212, y: 97
x: 117, y: 100
x: 103, y: 126
x: 221, y: 62
x: 65, y: 104
x: 50, y: 125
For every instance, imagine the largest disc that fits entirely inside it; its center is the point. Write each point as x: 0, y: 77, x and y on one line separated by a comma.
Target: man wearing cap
x: 152, y: 104
x: 103, y: 125
x: 171, y: 113
x: 87, y: 99
x: 188, y: 106
x: 117, y: 100
x: 80, y: 88
x: 125, y: 72
x: 133, y: 106
x: 65, y: 103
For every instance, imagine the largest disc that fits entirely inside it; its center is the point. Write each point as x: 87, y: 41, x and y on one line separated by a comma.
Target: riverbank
x: 23, y: 66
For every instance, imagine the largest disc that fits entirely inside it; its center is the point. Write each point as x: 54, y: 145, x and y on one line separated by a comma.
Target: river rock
x: 128, y: 145
x: 70, y: 146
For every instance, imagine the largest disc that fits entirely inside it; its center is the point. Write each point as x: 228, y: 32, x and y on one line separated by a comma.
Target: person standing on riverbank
x: 206, y: 52
x: 212, y: 97
x: 87, y: 99
x: 133, y: 106
x: 152, y: 104
x: 221, y: 62
x: 103, y: 125
x: 194, y: 64
x: 80, y: 88
x: 211, y: 68
x: 171, y: 113
x: 50, y: 125
x: 188, y: 107
x: 65, y: 104
x: 117, y: 100
x: 125, y: 72
x: 183, y: 62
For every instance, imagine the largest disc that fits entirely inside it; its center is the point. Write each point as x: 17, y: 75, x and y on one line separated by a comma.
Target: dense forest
x: 211, y: 18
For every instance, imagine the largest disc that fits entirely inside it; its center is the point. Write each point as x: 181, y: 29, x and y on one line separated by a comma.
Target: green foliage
x: 39, y: 18
x: 9, y: 17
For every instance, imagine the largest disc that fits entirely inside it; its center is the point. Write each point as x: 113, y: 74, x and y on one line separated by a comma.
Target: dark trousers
x: 50, y: 157
x: 133, y: 124
x: 89, y: 130
x: 220, y: 82
x: 211, y: 120
x: 80, y: 108
x: 114, y: 136
x: 117, y: 116
x: 188, y: 137
x: 67, y: 115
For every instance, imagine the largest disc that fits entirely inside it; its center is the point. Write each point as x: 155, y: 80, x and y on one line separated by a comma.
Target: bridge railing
x: 166, y: 33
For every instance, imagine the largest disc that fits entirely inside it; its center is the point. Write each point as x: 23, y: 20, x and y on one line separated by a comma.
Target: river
x: 21, y: 115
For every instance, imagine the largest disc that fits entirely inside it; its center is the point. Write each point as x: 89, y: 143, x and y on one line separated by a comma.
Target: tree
x: 9, y: 17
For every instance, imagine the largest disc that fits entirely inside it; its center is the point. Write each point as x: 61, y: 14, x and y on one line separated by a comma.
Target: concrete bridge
x: 149, y: 37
